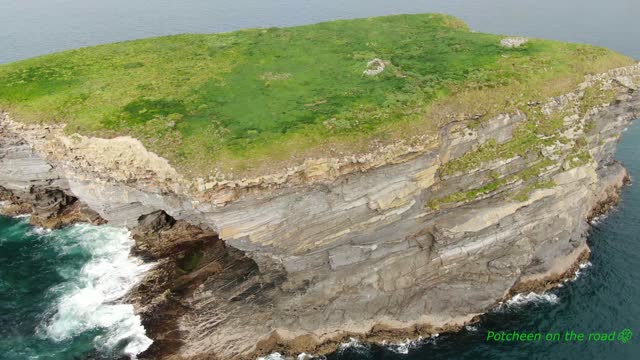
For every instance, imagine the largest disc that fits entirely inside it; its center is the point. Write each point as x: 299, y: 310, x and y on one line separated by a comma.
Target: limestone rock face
x: 340, y: 248
x: 30, y: 185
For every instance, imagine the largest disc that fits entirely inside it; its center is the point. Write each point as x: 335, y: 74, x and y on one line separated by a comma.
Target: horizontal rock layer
x: 332, y: 250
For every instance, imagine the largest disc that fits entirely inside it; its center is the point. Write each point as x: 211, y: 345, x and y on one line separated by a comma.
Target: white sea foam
x: 89, y: 300
x: 404, y: 346
x: 354, y: 345
x: 278, y: 356
x: 39, y: 231
x: 581, y: 269
x: 598, y: 219
x: 523, y: 299
x: 274, y: 356
x: 588, y: 264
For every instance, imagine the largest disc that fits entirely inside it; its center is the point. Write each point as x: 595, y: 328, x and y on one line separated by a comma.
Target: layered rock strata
x: 415, y: 241
x: 30, y: 185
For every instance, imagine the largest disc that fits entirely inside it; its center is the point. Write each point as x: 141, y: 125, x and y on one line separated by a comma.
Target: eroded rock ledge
x: 32, y: 186
x: 421, y: 242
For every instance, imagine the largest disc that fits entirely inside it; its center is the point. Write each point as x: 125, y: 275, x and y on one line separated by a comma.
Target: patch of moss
x: 594, y: 97
x: 464, y: 196
x: 528, y: 138
x: 190, y: 261
x: 535, y: 170
x: 532, y: 172
x: 589, y: 126
x: 579, y: 158
x: 142, y: 110
x: 524, y: 193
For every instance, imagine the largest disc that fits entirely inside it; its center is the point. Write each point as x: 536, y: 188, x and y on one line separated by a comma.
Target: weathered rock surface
x: 335, y: 248
x: 30, y: 185
x: 186, y: 257
x: 513, y: 42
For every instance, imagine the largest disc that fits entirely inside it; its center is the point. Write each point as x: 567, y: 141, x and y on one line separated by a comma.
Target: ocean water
x: 59, y: 290
x: 35, y: 27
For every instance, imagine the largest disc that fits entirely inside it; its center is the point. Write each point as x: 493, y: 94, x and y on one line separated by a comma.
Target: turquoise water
x: 59, y: 293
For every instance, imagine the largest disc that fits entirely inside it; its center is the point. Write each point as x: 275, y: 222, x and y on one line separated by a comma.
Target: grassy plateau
x: 250, y: 101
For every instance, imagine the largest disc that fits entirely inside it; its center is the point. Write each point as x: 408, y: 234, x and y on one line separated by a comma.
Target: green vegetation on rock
x: 249, y: 101
x: 464, y: 196
x: 190, y: 261
x: 536, y: 132
x: 530, y: 176
x: 523, y: 194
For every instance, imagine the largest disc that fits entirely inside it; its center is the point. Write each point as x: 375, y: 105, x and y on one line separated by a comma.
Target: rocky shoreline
x: 403, y: 249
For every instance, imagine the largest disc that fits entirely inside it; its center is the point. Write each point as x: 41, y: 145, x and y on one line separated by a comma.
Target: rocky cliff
x: 411, y: 240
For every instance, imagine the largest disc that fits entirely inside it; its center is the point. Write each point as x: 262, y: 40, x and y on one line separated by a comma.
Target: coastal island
x: 378, y: 178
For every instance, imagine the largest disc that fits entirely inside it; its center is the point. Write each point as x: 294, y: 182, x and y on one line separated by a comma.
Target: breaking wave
x: 274, y: 356
x: 278, y: 356
x: 354, y: 345
x: 520, y: 300
x: 471, y: 328
x: 404, y: 346
x: 88, y: 299
x: 582, y: 268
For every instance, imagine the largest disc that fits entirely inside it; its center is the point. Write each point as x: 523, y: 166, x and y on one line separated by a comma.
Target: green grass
x: 249, y: 101
x: 523, y: 194
x: 528, y: 138
x: 464, y: 196
x: 530, y: 177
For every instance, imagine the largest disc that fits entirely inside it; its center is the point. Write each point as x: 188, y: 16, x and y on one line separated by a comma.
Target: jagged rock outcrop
x: 30, y: 185
x: 186, y: 257
x: 422, y: 241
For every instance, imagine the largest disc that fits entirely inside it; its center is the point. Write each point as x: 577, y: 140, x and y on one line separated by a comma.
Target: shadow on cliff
x: 188, y: 258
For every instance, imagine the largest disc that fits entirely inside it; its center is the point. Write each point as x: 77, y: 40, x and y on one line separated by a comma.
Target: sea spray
x: 88, y: 300
x: 278, y: 356
x: 273, y: 356
x: 405, y: 346
x: 519, y: 300
x: 354, y: 345
x: 581, y: 269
